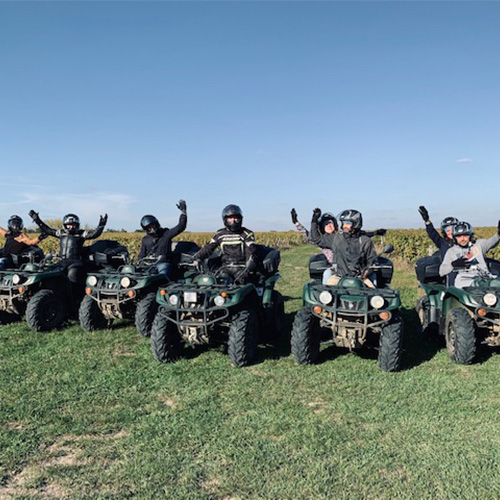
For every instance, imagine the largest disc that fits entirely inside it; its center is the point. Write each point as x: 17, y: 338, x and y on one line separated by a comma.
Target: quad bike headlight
x: 173, y: 300
x: 16, y: 279
x: 377, y: 302
x: 490, y: 299
x: 325, y: 297
x: 125, y: 282
x: 219, y: 301
x: 92, y: 280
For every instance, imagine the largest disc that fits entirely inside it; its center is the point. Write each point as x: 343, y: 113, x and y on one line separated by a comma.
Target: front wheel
x: 166, y: 344
x: 391, y: 345
x: 45, y: 311
x: 91, y: 316
x: 145, y: 314
x: 460, y: 336
x: 305, y: 337
x: 242, y: 341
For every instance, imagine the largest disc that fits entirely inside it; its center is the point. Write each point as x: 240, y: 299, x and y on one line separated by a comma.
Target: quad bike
x: 206, y: 309
x: 129, y: 291
x: 350, y: 315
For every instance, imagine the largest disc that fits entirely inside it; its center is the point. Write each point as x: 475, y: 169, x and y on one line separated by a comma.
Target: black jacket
x: 353, y: 254
x: 160, y: 245
x: 237, y: 247
x: 442, y: 243
x: 12, y: 246
x: 70, y: 244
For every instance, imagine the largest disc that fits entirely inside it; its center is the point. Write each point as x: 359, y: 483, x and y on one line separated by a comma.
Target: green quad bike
x: 129, y: 292
x: 349, y: 315
x: 41, y: 291
x: 205, y: 310
x: 12, y: 310
x: 465, y: 317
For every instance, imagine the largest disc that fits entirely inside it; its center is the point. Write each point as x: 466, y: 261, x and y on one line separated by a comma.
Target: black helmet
x: 73, y: 220
x: 325, y: 219
x: 447, y: 222
x: 235, y: 211
x: 15, y: 224
x: 462, y: 228
x: 352, y: 216
x: 150, y: 224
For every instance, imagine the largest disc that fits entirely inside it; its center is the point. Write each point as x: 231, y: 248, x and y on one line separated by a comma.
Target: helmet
x: 325, y: 219
x: 235, y: 211
x: 462, y: 228
x: 352, y: 216
x: 150, y: 224
x: 447, y: 222
x: 73, y: 220
x: 15, y: 224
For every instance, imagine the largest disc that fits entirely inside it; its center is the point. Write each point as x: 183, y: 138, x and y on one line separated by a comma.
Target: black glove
x: 103, y: 220
x: 34, y: 215
x: 294, y: 216
x: 198, y: 265
x: 316, y: 214
x: 461, y: 263
x: 380, y: 232
x: 499, y: 228
x: 182, y: 206
x: 42, y: 237
x: 424, y: 213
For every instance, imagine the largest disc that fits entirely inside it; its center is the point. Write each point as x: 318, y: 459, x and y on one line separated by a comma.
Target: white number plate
x: 190, y: 297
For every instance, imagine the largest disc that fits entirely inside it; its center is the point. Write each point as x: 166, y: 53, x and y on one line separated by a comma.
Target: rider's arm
x: 143, y: 250
x: 208, y: 249
x: 446, y: 267
x: 488, y: 244
x: 434, y: 235
x: 3, y: 232
x: 181, y: 226
x: 302, y: 230
x: 24, y: 238
x: 45, y: 229
x: 322, y: 240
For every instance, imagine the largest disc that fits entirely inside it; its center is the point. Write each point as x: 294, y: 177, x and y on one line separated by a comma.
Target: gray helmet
x: 325, y: 219
x: 447, y: 222
x: 150, y: 224
x: 73, y: 220
x: 352, y: 216
x: 15, y: 224
x: 232, y: 210
x: 462, y: 228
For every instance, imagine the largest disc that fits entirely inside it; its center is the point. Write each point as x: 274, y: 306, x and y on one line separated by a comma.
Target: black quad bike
x: 206, y: 310
x: 129, y: 292
x: 465, y: 317
x: 350, y: 315
x: 42, y: 291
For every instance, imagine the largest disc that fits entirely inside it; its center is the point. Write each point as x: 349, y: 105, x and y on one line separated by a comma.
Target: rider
x: 237, y: 243
x: 445, y: 241
x: 71, y: 240
x: 16, y: 241
x: 467, y: 256
x: 158, y: 240
x: 353, y: 252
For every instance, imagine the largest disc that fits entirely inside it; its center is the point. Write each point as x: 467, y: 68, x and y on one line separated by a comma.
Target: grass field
x: 92, y: 415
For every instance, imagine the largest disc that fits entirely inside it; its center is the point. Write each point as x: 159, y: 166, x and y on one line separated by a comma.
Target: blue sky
x: 125, y: 107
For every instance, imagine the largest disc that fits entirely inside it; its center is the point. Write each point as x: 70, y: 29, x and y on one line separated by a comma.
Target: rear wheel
x: 242, y: 341
x: 91, y: 316
x: 45, y: 311
x: 166, y: 344
x: 391, y: 345
x: 305, y: 337
x: 460, y: 336
x: 145, y: 314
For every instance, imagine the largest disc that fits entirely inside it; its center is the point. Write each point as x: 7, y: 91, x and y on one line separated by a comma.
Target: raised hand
x: 103, y: 220
x: 424, y: 213
x: 182, y: 206
x: 294, y: 216
x: 316, y: 214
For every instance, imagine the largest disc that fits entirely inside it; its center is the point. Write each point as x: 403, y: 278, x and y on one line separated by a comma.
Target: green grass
x: 93, y: 415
